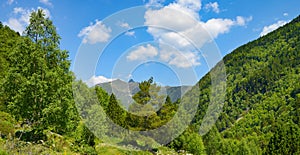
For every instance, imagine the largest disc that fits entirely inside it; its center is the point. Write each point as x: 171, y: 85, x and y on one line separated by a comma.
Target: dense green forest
x: 38, y: 112
x: 261, y: 111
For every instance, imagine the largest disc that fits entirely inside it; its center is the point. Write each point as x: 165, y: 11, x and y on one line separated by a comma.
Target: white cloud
x: 46, y: 2
x: 20, y: 18
x: 171, y: 17
x: 125, y: 25
x: 142, y: 53
x: 9, y: 2
x: 218, y: 26
x: 15, y: 24
x: 178, y: 24
x: 241, y: 21
x: 96, y: 80
x: 178, y: 58
x: 18, y: 10
x: 185, y: 60
x: 213, y: 6
x: 270, y: 28
x: 95, y: 33
x: 194, y: 5
x: 130, y: 33
x: 154, y: 3
x: 285, y: 14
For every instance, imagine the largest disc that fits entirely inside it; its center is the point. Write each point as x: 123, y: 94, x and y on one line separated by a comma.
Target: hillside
x: 262, y: 107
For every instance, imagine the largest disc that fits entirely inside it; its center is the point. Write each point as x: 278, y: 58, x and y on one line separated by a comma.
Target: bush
x: 83, y: 136
x: 2, y: 152
x: 84, y: 140
x: 189, y: 141
x: 31, y: 135
x: 6, y: 124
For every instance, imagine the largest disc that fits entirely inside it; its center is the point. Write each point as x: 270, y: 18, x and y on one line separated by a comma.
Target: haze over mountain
x: 125, y: 90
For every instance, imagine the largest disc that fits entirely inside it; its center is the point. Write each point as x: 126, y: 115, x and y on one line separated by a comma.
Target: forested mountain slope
x: 261, y: 113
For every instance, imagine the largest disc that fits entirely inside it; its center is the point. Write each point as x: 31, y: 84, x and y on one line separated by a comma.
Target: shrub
x: 6, y: 124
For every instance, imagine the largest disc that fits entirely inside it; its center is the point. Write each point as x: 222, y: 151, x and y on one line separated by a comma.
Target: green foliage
x: 89, y: 107
x: 6, y: 124
x: 42, y: 31
x: 167, y: 111
x: 103, y: 97
x: 143, y: 112
x: 262, y: 86
x: 189, y: 141
x: 212, y: 141
x: 8, y: 39
x: 2, y: 152
x: 107, y: 150
x: 143, y: 96
x: 115, y: 112
x: 31, y: 135
x: 84, y: 140
x: 15, y: 146
x: 55, y: 141
x: 38, y: 82
x: 285, y: 140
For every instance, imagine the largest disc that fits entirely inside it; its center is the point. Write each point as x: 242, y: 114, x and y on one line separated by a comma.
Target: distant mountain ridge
x: 124, y: 90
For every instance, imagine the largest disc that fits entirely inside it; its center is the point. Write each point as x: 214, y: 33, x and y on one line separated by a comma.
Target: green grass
x: 15, y: 146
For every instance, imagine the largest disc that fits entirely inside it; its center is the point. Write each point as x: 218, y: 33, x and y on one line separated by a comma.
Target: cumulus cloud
x: 213, y: 6
x: 241, y: 21
x: 270, y: 28
x: 46, y: 2
x: 178, y: 58
x: 154, y: 3
x: 97, y: 79
x: 20, y: 18
x: 95, y: 33
x: 170, y: 17
x: 194, y: 5
x: 178, y: 24
x: 218, y: 26
x: 142, y: 53
x: 285, y: 14
x: 127, y: 26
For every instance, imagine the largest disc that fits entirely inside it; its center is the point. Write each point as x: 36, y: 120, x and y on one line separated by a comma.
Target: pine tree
x: 115, y: 111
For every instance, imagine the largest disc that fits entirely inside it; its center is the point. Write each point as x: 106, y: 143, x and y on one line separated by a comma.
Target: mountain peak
x: 131, y: 81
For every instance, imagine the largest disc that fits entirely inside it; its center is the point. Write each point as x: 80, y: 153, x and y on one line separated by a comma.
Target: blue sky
x: 107, y: 43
